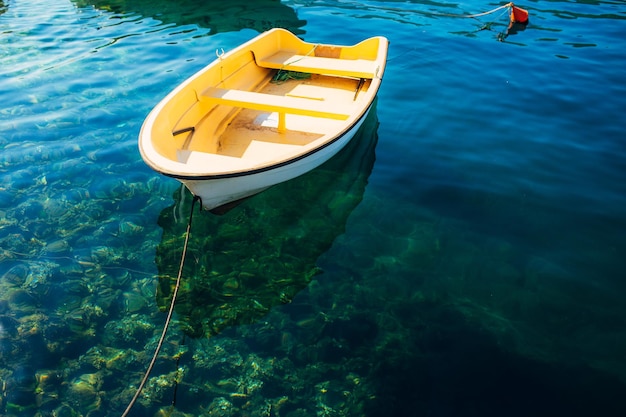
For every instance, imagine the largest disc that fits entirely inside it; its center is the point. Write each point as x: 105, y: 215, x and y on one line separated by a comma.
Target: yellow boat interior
x: 274, y: 96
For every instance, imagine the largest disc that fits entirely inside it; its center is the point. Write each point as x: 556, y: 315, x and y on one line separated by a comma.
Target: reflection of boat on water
x: 263, y: 253
x: 217, y: 15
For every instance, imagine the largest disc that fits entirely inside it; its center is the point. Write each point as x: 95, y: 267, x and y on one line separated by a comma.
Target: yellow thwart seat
x: 274, y: 103
x: 356, y: 68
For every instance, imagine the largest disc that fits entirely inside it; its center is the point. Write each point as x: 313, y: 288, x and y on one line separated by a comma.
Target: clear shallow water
x: 469, y: 261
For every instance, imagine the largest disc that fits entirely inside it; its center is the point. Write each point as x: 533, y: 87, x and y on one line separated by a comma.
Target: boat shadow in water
x: 217, y: 15
x: 261, y: 254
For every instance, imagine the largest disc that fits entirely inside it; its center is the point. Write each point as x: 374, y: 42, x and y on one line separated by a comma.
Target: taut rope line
x: 509, y: 5
x: 169, y: 313
x: 506, y: 6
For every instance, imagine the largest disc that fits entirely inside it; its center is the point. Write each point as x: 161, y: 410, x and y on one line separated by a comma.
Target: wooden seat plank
x: 356, y: 68
x: 274, y: 103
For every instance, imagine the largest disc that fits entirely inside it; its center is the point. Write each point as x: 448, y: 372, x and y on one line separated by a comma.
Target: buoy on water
x: 518, y: 15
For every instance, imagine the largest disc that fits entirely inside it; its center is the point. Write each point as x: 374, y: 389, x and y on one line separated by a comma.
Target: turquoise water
x: 463, y: 257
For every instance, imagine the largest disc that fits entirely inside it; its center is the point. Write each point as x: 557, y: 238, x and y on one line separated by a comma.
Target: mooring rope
x: 429, y: 13
x: 506, y: 6
x: 169, y: 313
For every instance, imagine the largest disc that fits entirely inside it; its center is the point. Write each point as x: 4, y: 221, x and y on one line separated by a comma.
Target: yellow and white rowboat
x: 268, y: 111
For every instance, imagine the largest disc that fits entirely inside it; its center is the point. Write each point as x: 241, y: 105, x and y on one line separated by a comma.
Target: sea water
x: 464, y: 256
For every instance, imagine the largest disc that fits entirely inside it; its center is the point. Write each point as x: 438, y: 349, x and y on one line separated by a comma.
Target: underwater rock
x: 57, y: 247
x: 169, y: 412
x: 75, y: 287
x: 83, y: 392
x: 73, y: 269
x: 77, y: 322
x: 8, y: 328
x: 134, y: 302
x: 223, y: 356
x: 54, y: 208
x: 131, y: 329
x: 107, y: 229
x: 32, y: 325
x: 160, y: 386
x: 145, y: 287
x: 129, y: 228
x: 16, y: 243
x: 98, y: 304
x: 105, y: 255
x: 68, y: 331
x: 31, y: 209
x: 118, y: 359
x: 21, y: 302
x: 75, y: 196
x: 220, y: 407
x: 65, y: 410
x: 16, y: 275
x: 46, y: 379
x: 107, y: 359
x: 46, y: 391
x: 38, y: 281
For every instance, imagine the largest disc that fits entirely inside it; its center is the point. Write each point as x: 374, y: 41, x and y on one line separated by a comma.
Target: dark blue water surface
x: 465, y: 256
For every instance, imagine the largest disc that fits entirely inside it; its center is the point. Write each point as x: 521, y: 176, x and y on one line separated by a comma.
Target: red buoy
x: 518, y: 15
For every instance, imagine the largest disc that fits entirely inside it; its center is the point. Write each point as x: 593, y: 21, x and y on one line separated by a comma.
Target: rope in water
x: 506, y: 6
x: 169, y: 313
x: 473, y: 16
